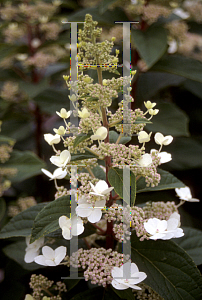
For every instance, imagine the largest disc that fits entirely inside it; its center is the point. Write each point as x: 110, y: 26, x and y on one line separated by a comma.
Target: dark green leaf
x: 149, y: 83
x: 125, y: 294
x: 89, y: 229
x: 170, y: 271
x: 115, y: 177
x: 150, y: 44
x: 31, y: 89
x: 81, y: 156
x: 47, y: 220
x: 26, y: 163
x: 71, y: 283
x: 56, y: 68
x: 81, y: 138
x: 142, y: 120
x: 21, y: 224
x: 186, y: 154
x: 5, y: 139
x: 113, y: 136
x: 171, y: 120
x: 191, y: 242
x: 16, y: 251
x: 95, y: 293
x: 167, y: 182
x: 180, y: 65
x: 14, y: 126
x: 52, y: 100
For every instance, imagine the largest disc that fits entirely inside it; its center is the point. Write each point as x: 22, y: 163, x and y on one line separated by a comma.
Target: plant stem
x: 119, y: 138
x: 90, y: 172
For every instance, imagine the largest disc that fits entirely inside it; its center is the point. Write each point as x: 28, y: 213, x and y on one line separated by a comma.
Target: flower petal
x: 60, y: 254
x: 40, y: 260
x: 119, y: 286
x: 30, y: 255
x: 95, y: 216
x: 48, y: 252
x: 84, y: 210
x: 47, y: 173
x: 64, y: 222
x: 66, y: 233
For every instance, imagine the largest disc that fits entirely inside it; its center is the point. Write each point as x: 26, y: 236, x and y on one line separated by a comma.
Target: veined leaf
x: 180, y: 65
x: 171, y: 119
x: 115, y: 177
x: 170, y: 270
x: 21, y: 225
x: 113, y: 136
x: 81, y: 156
x: 191, y: 242
x: 47, y: 220
x: 151, y: 44
x: 167, y: 182
x: 26, y: 163
x: 81, y: 138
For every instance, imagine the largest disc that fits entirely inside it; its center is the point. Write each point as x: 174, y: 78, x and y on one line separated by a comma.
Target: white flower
x: 84, y: 113
x: 100, y: 134
x: 162, y: 229
x: 60, y: 131
x: 62, y: 160
x: 172, y: 46
x: 32, y: 250
x: 73, y: 97
x: 52, y: 139
x: 144, y: 137
x: 92, y: 211
x: 29, y: 297
x: 181, y: 13
x: 149, y: 104
x: 185, y: 194
x: 164, y: 156
x: 145, y: 160
x: 122, y: 284
x: 101, y: 188
x: 70, y: 227
x: 35, y: 43
x: 51, y: 257
x: 63, y: 113
x: 153, y: 112
x: 57, y: 174
x: 160, y: 139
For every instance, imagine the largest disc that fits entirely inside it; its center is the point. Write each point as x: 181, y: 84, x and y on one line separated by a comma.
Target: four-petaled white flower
x: 164, y: 230
x: 59, y: 173
x: 164, y: 156
x: 71, y: 227
x: 149, y: 104
x: 51, y: 257
x: 84, y: 113
x: 100, y: 134
x: 124, y: 283
x: 160, y: 139
x: 60, y: 131
x: 92, y: 211
x: 63, y: 113
x: 144, y: 137
x: 29, y: 297
x: 52, y: 139
x: 101, y: 188
x: 145, y: 160
x: 32, y: 250
x: 185, y: 194
x: 153, y: 112
x: 62, y: 160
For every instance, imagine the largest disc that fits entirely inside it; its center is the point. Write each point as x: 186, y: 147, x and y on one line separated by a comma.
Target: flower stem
x: 90, y: 172
x: 119, y: 138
